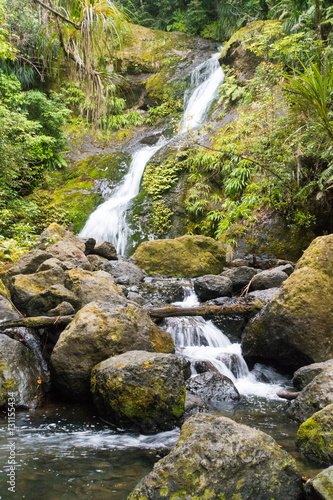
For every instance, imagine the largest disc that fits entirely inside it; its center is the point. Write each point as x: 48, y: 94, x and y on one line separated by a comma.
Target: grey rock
x: 264, y: 296
x: 314, y: 397
x: 136, y: 297
x: 29, y: 262
x: 286, y: 268
x: 65, y: 250
x: 303, y: 376
x: 97, y: 262
x: 125, y: 273
x: 321, y: 486
x: 239, y: 276
x: 161, y: 292
x: 105, y: 249
x: 217, y: 455
x: 45, y: 301
x: 193, y: 405
x: 211, y: 286
x: 89, y: 244
x: 213, y: 388
x: 50, y: 264
x: 140, y: 390
x: 268, y: 279
x: 204, y: 366
x: 63, y: 309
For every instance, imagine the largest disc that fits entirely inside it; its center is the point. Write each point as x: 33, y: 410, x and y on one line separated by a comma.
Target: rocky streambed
x: 111, y: 389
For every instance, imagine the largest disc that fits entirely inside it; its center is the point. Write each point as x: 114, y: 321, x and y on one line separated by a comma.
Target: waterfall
x: 108, y: 221
x: 201, y: 341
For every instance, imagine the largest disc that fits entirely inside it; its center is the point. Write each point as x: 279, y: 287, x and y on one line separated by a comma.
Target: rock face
x: 321, y: 486
x: 139, y: 390
x: 184, y: 256
x: 18, y: 373
x: 211, y: 286
x: 219, y: 459
x: 315, y: 437
x: 214, y: 389
x: 315, y: 396
x: 98, y: 331
x: 299, y: 317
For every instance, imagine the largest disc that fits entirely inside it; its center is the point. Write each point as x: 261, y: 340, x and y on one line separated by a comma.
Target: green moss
x: 161, y: 341
x: 315, y: 436
x: 10, y: 385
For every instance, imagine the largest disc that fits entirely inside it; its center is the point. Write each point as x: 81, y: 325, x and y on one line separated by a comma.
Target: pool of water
x: 66, y: 452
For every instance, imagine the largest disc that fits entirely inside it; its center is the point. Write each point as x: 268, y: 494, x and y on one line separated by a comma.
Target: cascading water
x: 199, y: 340
x: 108, y: 221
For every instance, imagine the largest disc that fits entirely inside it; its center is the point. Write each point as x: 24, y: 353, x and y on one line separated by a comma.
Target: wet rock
x: 268, y: 279
x: 321, y: 486
x: 161, y: 292
x: 210, y: 286
x: 184, y: 256
x: 204, y: 366
x: 315, y: 396
x: 105, y: 249
x: 216, y: 457
x: 315, y: 437
x: 234, y: 362
x: 98, y: 331
x: 193, y: 405
x: 19, y: 373
x: 239, y: 276
x: 44, y: 302
x: 303, y: 376
x: 88, y: 286
x: 29, y: 262
x: 214, y: 389
x: 141, y: 391
x: 63, y: 309
x: 298, y: 318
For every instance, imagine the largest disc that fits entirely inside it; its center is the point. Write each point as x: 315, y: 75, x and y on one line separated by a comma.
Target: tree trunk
x: 36, y: 322
x: 173, y: 311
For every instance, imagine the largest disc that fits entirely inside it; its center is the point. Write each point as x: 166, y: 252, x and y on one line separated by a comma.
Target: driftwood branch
x: 58, y: 15
x: 288, y: 395
x: 36, y: 322
x: 228, y: 310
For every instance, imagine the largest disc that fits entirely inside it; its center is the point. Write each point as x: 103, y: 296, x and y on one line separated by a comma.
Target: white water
x: 108, y: 221
x: 200, y: 340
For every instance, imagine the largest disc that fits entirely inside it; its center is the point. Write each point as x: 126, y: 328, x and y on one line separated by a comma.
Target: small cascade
x: 108, y: 221
x: 201, y: 341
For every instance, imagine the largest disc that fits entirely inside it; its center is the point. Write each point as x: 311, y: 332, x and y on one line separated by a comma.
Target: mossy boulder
x: 217, y: 458
x: 315, y: 396
x: 184, y: 256
x: 321, y: 486
x: 19, y: 374
x: 295, y: 328
x: 315, y: 437
x: 140, y: 390
x: 100, y: 330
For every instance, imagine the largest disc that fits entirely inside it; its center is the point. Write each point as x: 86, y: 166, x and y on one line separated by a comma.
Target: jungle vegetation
x: 276, y: 153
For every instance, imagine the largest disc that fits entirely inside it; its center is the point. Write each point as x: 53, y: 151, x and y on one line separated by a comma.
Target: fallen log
x: 228, y: 310
x: 288, y: 395
x: 154, y: 312
x: 36, y: 322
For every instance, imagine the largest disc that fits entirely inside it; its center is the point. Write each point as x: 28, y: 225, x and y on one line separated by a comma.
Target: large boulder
x: 315, y: 437
x: 211, y: 286
x: 89, y: 286
x: 215, y: 389
x: 217, y: 458
x: 29, y: 262
x: 98, y: 331
x: 19, y: 374
x: 295, y: 328
x: 184, y: 256
x: 270, y: 278
x: 140, y: 390
x: 321, y: 486
x: 315, y: 396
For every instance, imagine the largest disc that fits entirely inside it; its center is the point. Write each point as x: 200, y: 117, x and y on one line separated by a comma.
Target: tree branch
x: 63, y: 18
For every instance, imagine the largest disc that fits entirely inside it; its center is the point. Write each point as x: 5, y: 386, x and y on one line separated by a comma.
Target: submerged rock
x: 299, y: 317
x: 321, y: 486
x: 98, y: 331
x: 215, y: 389
x: 210, y: 287
x: 315, y: 437
x: 184, y: 256
x: 219, y: 459
x: 141, y: 391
